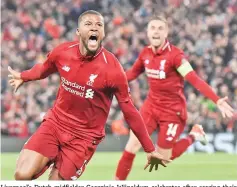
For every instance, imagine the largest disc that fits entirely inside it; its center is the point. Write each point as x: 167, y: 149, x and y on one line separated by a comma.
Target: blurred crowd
x: 205, y: 29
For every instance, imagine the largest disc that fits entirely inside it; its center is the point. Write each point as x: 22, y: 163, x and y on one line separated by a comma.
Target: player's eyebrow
x: 98, y: 22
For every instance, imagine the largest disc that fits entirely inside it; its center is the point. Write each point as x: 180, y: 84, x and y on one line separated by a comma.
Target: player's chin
x: 156, y: 44
x: 93, y: 47
x: 92, y: 50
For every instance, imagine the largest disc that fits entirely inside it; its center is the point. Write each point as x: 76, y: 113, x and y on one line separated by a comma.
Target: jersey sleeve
x: 136, y: 69
x: 41, y: 70
x: 120, y: 84
x: 178, y: 58
x: 181, y: 64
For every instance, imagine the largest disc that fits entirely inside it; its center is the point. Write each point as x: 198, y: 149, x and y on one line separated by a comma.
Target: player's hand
x: 225, y: 108
x: 15, y: 79
x: 154, y: 159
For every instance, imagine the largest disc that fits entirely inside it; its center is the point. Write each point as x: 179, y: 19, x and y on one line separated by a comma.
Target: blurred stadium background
x: 205, y: 29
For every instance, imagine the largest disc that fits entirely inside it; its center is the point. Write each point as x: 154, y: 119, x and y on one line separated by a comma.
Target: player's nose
x: 93, y: 29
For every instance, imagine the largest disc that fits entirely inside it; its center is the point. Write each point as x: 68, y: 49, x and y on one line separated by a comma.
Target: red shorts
x: 169, y: 130
x: 68, y: 153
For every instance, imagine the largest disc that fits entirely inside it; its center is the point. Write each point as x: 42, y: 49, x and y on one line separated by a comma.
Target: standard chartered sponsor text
x: 80, y: 89
x: 73, y: 91
x: 73, y: 84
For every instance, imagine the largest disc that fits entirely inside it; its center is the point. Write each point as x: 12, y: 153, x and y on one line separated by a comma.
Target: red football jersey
x: 87, y: 87
x: 166, y: 94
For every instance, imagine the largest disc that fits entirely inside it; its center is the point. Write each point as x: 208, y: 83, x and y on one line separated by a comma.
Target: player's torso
x: 83, y: 92
x: 165, y: 83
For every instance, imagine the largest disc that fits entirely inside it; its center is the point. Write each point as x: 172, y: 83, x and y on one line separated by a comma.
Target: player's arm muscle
x: 131, y: 115
x: 186, y: 70
x: 135, y: 122
x: 41, y: 70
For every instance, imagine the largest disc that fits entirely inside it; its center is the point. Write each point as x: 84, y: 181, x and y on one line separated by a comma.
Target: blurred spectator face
x: 91, y: 32
x: 157, y: 32
x: 224, y: 90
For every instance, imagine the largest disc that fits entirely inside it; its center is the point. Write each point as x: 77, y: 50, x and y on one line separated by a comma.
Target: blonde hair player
x: 165, y: 106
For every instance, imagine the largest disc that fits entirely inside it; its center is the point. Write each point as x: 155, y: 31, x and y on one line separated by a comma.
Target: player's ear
x: 78, y: 32
x: 103, y: 35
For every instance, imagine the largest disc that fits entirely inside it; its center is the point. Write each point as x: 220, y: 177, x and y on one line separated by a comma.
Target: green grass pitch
x: 199, y: 166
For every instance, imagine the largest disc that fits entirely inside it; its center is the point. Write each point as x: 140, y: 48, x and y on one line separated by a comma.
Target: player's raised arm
x: 135, y: 121
x: 135, y: 70
x: 37, y: 72
x: 42, y: 70
x: 186, y: 70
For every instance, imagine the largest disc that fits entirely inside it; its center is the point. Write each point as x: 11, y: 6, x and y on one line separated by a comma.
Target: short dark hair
x: 159, y: 17
x: 88, y: 12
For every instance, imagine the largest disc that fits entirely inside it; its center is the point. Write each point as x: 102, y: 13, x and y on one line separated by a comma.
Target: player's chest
x: 83, y: 75
x: 157, y: 67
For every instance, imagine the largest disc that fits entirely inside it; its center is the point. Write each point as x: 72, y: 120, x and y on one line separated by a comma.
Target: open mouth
x: 93, y: 37
x: 93, y: 40
x: 155, y: 38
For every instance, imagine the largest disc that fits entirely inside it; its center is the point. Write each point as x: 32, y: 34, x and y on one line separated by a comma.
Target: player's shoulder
x: 113, y: 64
x: 66, y: 46
x: 175, y: 50
x: 60, y: 49
x: 111, y: 59
x: 146, y: 50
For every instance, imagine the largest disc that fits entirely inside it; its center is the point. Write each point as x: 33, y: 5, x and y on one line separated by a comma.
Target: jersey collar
x: 165, y: 47
x: 89, y: 58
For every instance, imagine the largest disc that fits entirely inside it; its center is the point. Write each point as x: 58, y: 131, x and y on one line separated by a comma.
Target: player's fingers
x: 17, y: 87
x: 228, y: 107
x: 146, y: 166
x: 11, y: 81
x: 11, y: 76
x: 166, y: 160
x: 222, y: 111
x: 225, y: 98
x: 163, y: 163
x: 151, y: 167
x: 156, y: 167
x: 11, y: 70
x: 229, y: 114
x: 12, y: 84
x: 223, y: 114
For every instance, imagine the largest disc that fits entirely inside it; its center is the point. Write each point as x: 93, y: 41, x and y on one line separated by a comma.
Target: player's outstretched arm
x: 135, y: 70
x: 186, y: 70
x: 41, y: 70
x: 134, y: 119
x: 37, y: 72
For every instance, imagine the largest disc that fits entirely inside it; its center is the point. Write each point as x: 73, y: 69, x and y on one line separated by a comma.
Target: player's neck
x: 155, y: 49
x: 85, y: 52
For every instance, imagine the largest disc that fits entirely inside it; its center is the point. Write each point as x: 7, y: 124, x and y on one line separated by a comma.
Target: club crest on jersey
x: 147, y: 61
x: 66, y: 68
x: 91, y: 79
